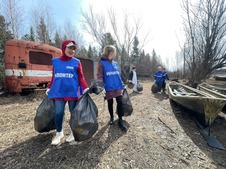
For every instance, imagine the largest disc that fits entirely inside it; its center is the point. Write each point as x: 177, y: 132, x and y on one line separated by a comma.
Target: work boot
x: 121, y: 125
x: 70, y: 138
x: 57, y: 139
x: 111, y: 121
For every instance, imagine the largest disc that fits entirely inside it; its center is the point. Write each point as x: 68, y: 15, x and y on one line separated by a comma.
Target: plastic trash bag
x: 126, y: 103
x: 139, y: 86
x: 130, y: 85
x: 44, y: 118
x: 154, y: 88
x: 96, y: 87
x: 83, y: 120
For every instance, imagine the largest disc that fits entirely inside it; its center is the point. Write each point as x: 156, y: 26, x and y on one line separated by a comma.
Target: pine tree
x: 30, y: 37
x: 154, y: 63
x: 135, y: 52
x: 5, y: 35
x: 95, y: 54
x: 90, y: 54
x: 42, y: 33
x: 57, y: 40
x: 32, y: 34
x: 25, y: 37
x: 107, y: 39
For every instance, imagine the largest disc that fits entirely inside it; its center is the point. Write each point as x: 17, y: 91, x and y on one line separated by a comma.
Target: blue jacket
x: 112, y: 79
x: 65, y: 82
x: 159, y: 77
x: 166, y: 76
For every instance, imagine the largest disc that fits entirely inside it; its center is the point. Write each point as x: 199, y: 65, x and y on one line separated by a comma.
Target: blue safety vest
x: 65, y: 81
x: 159, y: 77
x: 112, y: 79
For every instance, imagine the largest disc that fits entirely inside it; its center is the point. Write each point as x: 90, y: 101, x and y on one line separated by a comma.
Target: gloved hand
x: 47, y: 91
x: 86, y: 90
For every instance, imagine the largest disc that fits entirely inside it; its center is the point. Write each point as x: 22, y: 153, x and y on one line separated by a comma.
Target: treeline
x: 202, y: 51
x: 42, y: 28
x: 146, y: 63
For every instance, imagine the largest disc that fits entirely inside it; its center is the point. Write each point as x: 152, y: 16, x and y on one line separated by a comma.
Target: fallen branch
x: 166, y: 124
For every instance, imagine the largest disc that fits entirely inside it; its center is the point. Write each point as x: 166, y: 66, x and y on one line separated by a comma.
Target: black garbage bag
x: 139, y: 86
x: 44, y: 118
x: 154, y: 88
x: 127, y: 105
x: 96, y: 87
x: 83, y: 120
x: 130, y: 85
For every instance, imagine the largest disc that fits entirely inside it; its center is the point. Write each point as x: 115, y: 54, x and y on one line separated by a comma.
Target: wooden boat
x: 205, y: 106
x: 220, y: 77
x: 214, y: 91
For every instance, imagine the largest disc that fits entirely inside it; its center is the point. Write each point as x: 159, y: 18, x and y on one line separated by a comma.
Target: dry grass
x: 159, y: 136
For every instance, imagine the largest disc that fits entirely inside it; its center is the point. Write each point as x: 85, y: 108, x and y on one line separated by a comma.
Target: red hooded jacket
x: 81, y: 77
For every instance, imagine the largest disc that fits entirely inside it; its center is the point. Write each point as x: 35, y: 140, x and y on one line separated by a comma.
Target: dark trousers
x: 164, y: 86
x: 159, y: 84
x: 119, y: 106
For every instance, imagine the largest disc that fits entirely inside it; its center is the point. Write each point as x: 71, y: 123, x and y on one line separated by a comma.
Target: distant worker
x: 159, y: 79
x: 133, y: 79
x: 166, y: 78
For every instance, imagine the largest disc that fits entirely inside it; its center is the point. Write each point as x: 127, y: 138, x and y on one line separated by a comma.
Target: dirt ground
x: 160, y: 135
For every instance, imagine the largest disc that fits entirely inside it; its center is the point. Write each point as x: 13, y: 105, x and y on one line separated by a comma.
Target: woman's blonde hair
x: 109, y: 48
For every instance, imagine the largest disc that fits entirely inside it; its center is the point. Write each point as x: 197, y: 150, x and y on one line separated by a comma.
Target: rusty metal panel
x: 87, y: 66
x: 23, y: 71
x: 19, y: 70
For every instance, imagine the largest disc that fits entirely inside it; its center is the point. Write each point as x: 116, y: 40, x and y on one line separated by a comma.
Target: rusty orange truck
x: 28, y: 65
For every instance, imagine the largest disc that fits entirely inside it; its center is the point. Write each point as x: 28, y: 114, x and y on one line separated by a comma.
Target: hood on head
x: 65, y: 43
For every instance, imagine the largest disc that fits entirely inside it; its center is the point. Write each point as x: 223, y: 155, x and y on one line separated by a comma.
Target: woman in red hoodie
x: 67, y: 78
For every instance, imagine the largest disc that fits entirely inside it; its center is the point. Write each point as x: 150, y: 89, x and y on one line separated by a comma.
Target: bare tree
x: 205, y: 31
x: 123, y: 33
x: 42, y: 11
x: 72, y: 33
x: 13, y: 13
x: 94, y: 25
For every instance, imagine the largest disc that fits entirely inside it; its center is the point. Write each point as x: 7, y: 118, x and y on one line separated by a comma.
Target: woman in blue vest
x: 108, y: 73
x: 67, y: 78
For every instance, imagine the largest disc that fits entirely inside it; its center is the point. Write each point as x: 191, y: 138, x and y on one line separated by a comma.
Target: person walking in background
x: 159, y: 79
x: 67, y: 78
x: 133, y: 79
x: 108, y: 73
x: 166, y: 77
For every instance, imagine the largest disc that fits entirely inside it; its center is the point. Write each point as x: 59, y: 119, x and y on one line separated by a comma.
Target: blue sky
x: 161, y: 17
x: 61, y: 9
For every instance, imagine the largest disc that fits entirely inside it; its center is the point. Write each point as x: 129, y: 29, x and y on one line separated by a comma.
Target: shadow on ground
x: 161, y: 97
x: 37, y: 152
x: 134, y: 94
x: 218, y: 129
